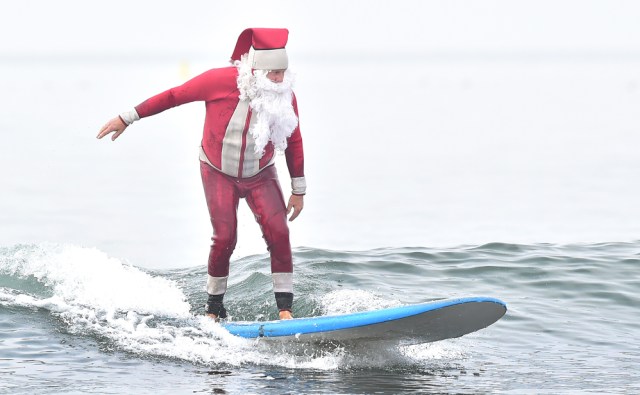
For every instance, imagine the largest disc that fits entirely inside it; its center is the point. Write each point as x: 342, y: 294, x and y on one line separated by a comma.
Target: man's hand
x: 115, y: 126
x: 296, y: 202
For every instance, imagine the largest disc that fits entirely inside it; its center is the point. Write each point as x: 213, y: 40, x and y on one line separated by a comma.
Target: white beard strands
x: 272, y: 103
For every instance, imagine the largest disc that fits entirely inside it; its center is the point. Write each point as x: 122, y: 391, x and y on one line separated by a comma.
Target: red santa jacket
x: 226, y: 143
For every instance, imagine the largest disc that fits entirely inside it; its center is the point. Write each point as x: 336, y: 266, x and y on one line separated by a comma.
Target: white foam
x: 96, y: 294
x: 89, y: 277
x: 443, y: 350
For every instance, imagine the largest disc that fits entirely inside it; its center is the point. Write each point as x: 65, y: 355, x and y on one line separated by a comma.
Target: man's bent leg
x: 222, y: 202
x: 267, y: 204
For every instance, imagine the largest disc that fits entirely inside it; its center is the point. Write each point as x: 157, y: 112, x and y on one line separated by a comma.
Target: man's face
x: 276, y: 76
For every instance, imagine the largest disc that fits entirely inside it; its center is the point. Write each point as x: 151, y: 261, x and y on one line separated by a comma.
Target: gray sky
x: 333, y: 26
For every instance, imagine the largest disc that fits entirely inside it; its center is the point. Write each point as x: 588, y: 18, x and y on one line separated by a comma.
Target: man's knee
x: 224, y: 238
x: 277, y: 230
x: 223, y: 245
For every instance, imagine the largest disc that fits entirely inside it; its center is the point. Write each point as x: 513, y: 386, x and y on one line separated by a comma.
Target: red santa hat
x: 265, y: 48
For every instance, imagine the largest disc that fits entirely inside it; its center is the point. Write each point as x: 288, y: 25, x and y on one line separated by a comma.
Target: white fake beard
x: 272, y: 104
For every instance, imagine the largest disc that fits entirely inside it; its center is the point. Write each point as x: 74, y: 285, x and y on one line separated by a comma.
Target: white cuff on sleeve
x: 298, y: 185
x: 130, y: 116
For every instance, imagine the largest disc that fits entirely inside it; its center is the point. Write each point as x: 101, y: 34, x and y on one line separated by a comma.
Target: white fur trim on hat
x: 268, y: 59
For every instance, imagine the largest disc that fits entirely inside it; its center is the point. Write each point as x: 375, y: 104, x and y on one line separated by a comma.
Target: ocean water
x: 430, y: 177
x: 571, y: 326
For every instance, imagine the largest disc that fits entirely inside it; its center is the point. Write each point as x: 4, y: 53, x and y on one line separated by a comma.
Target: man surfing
x: 251, y: 113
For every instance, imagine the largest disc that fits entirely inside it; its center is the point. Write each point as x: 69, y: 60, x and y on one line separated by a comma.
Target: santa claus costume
x: 248, y: 119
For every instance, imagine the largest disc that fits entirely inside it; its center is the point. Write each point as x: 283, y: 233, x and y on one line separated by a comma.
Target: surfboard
x: 409, y: 324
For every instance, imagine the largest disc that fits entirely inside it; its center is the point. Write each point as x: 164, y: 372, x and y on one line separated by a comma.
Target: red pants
x: 264, y: 196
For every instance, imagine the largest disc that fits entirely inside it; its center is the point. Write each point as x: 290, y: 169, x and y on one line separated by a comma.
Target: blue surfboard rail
x: 311, y: 325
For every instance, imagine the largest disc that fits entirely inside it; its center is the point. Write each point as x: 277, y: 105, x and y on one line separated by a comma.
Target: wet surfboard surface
x: 409, y: 324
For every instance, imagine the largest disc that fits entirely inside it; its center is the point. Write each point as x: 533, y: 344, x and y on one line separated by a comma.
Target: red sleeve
x: 294, y: 152
x: 205, y: 87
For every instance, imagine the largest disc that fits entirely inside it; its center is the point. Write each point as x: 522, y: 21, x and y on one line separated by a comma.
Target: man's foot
x: 213, y: 317
x: 285, y: 315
